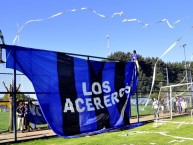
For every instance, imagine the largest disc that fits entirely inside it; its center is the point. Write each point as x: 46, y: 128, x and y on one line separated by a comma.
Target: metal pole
x: 108, y: 44
x: 137, y: 104
x: 14, y: 99
x: 167, y: 85
x: 167, y: 76
x: 170, y: 102
x: 192, y: 96
x: 191, y: 82
x: 191, y: 89
x: 185, y: 63
x: 137, y: 107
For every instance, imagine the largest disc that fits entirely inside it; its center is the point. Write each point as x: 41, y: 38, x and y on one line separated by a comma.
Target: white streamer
x: 177, y: 21
x: 56, y: 15
x: 137, y: 20
x: 60, y: 13
x: 154, y: 69
x: 120, y: 14
x: 145, y: 25
x: 170, y: 25
x: 154, y: 72
x: 167, y: 22
x: 129, y: 20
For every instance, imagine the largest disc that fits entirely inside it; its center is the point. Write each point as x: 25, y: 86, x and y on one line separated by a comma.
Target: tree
x: 120, y: 56
x: 9, y: 95
x: 18, y: 97
x: 5, y: 97
x: 176, y: 71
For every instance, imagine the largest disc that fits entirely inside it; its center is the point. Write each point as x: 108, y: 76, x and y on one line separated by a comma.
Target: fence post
x: 137, y: 107
x: 14, y: 99
x: 170, y: 103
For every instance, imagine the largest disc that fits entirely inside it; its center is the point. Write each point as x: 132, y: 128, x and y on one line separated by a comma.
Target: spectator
x: 184, y: 105
x: 20, y: 116
x: 174, y: 105
x: 163, y: 106
x: 179, y: 105
x: 27, y: 123
x: 155, y: 106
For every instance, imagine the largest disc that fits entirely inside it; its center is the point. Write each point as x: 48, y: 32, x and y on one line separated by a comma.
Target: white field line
x: 161, y: 133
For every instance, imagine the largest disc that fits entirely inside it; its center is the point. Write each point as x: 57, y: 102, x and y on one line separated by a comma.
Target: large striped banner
x: 77, y: 96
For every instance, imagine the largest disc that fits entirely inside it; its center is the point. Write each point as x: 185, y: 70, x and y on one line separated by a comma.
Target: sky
x: 82, y: 26
x: 84, y: 32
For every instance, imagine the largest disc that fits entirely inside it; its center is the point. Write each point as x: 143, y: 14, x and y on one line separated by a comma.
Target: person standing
x: 179, y: 104
x: 184, y: 105
x: 174, y: 104
x: 134, y: 58
x: 163, y: 106
x: 20, y: 116
x: 155, y: 106
x: 26, y: 121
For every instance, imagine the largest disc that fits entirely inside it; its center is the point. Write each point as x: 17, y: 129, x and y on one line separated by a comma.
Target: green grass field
x: 148, y: 110
x: 4, y: 121
x: 152, y: 133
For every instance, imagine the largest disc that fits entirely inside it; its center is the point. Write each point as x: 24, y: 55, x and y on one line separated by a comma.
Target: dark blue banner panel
x: 34, y: 114
x: 77, y: 96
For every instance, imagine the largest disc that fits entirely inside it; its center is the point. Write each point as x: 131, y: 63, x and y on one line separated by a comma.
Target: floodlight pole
x: 191, y: 82
x: 191, y: 89
x: 108, y: 44
x: 167, y: 76
x: 184, y: 45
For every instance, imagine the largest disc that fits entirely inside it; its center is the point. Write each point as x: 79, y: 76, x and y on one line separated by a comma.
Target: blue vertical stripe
x: 108, y: 75
x: 129, y: 70
x: 87, y: 119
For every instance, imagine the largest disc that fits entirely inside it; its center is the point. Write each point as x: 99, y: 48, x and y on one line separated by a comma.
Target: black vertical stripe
x: 119, y: 83
x: 67, y: 89
x: 102, y: 115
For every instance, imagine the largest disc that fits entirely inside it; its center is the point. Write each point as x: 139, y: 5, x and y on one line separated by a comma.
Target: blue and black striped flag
x: 77, y: 96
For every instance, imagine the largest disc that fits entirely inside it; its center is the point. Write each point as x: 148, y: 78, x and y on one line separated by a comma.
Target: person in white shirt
x: 155, y: 106
x: 184, y: 105
x: 20, y: 116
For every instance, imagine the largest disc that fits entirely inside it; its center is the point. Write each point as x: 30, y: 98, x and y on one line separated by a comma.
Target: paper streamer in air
x: 166, y: 21
x: 120, y: 14
x: 154, y: 69
x: 60, y: 13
